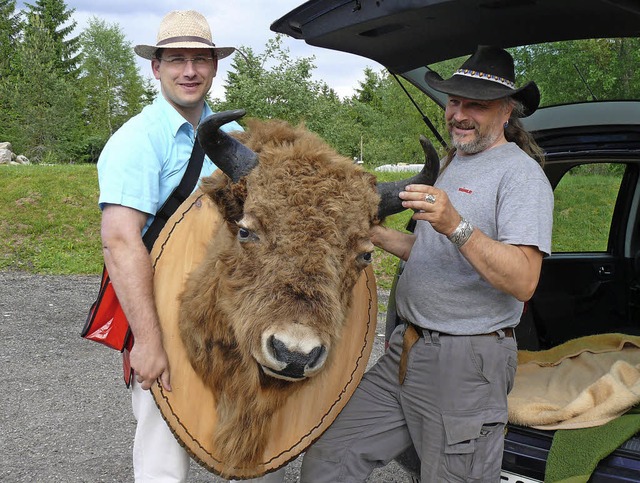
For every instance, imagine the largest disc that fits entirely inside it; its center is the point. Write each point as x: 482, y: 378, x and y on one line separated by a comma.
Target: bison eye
x: 246, y: 235
x: 365, y: 258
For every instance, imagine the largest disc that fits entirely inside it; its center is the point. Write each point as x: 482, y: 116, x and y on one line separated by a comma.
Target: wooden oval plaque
x: 189, y: 408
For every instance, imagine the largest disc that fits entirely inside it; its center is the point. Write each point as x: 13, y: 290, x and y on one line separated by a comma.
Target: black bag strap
x: 177, y: 196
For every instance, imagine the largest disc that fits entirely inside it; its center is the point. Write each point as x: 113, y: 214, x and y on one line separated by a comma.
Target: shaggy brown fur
x: 295, y: 241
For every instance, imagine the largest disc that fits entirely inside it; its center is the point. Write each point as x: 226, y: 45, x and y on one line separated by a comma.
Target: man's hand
x: 432, y: 205
x: 150, y: 362
x: 514, y: 269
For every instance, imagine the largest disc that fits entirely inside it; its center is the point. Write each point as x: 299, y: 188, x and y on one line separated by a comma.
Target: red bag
x: 106, y: 322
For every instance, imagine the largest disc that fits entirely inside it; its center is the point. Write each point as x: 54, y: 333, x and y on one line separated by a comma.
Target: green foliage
x: 378, y: 124
x: 53, y: 15
x: 582, y: 70
x: 149, y: 91
x: 389, y: 123
x: 39, y: 105
x: 273, y: 85
x: 370, y: 88
x: 10, y: 27
x: 113, y: 89
x: 55, y: 105
x: 446, y: 68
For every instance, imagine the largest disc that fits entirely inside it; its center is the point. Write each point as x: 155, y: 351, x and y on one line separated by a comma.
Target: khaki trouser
x: 452, y: 407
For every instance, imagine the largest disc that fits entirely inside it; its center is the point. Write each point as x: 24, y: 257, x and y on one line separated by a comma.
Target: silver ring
x: 430, y: 199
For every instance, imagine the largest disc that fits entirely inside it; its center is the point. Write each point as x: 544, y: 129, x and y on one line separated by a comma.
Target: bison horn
x: 231, y: 156
x: 390, y: 203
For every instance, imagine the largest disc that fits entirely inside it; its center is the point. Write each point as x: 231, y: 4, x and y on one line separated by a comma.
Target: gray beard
x: 476, y: 146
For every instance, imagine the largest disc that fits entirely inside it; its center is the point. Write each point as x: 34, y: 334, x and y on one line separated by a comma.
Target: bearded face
x: 475, y: 125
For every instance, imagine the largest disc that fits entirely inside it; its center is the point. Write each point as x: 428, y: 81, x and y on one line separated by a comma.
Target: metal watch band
x: 461, y: 234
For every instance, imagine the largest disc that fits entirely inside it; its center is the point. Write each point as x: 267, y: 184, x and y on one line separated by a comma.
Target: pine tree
x: 39, y: 105
x: 10, y: 27
x: 55, y: 16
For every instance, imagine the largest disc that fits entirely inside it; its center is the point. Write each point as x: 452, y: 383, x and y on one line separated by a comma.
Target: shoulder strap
x: 177, y: 196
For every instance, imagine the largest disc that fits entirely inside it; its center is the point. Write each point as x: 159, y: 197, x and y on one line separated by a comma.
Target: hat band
x: 490, y: 77
x: 186, y: 38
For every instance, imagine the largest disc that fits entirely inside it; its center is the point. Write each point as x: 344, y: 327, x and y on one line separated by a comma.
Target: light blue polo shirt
x: 145, y: 159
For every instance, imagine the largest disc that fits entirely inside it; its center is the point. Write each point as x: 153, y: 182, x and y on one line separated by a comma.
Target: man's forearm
x: 131, y: 274
x: 514, y: 269
x: 393, y: 241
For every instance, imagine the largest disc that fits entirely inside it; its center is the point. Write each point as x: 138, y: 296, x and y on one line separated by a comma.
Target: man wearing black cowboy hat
x: 474, y: 258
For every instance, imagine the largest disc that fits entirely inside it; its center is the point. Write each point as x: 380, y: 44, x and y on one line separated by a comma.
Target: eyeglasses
x: 197, y: 61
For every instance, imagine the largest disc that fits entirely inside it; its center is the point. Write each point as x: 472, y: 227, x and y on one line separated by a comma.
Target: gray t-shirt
x: 505, y: 194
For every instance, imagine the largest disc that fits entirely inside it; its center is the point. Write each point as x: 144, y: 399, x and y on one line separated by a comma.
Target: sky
x: 233, y: 23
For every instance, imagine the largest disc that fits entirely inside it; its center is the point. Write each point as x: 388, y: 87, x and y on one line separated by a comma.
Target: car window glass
x: 585, y: 199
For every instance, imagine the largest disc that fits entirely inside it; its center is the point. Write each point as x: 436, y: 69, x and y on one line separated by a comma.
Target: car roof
x: 404, y: 35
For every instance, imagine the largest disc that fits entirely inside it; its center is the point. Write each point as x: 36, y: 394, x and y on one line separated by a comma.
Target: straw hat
x: 487, y: 75
x: 183, y: 29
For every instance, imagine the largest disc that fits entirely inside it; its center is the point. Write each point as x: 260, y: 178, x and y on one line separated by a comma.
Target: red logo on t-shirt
x: 465, y: 190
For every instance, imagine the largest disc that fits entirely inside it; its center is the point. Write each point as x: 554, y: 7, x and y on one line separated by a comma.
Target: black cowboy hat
x: 487, y: 75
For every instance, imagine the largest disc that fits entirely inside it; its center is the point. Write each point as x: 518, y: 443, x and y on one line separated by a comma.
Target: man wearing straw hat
x: 138, y: 169
x: 474, y: 258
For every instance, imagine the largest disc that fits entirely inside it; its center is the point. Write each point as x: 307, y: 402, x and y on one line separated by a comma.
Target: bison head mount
x: 262, y: 312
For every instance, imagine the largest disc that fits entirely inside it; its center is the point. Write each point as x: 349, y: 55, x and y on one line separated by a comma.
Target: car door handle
x: 605, y: 270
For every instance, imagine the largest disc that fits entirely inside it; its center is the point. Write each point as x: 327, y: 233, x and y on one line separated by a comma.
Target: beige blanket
x: 582, y: 383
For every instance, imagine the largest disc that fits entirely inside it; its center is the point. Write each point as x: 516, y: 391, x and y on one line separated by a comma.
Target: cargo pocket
x: 461, y: 434
x: 472, y: 443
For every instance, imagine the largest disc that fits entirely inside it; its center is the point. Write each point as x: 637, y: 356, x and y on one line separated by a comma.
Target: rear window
x: 585, y: 199
x: 574, y: 71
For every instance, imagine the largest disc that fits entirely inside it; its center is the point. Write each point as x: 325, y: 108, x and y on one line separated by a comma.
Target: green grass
x: 49, y: 219
x: 50, y: 222
x: 583, y: 211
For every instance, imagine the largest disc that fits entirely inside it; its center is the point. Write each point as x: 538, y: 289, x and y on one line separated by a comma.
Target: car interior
x: 594, y: 289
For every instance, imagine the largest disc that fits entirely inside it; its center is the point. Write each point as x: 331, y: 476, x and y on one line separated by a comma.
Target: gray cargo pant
x: 452, y: 407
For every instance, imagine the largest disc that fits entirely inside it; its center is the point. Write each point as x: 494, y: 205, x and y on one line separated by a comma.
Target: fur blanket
x: 582, y: 383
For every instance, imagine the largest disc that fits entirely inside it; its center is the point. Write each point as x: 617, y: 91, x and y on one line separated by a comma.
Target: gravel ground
x: 65, y: 414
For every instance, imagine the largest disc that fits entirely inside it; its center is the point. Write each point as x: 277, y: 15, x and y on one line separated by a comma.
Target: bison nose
x: 296, y: 364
